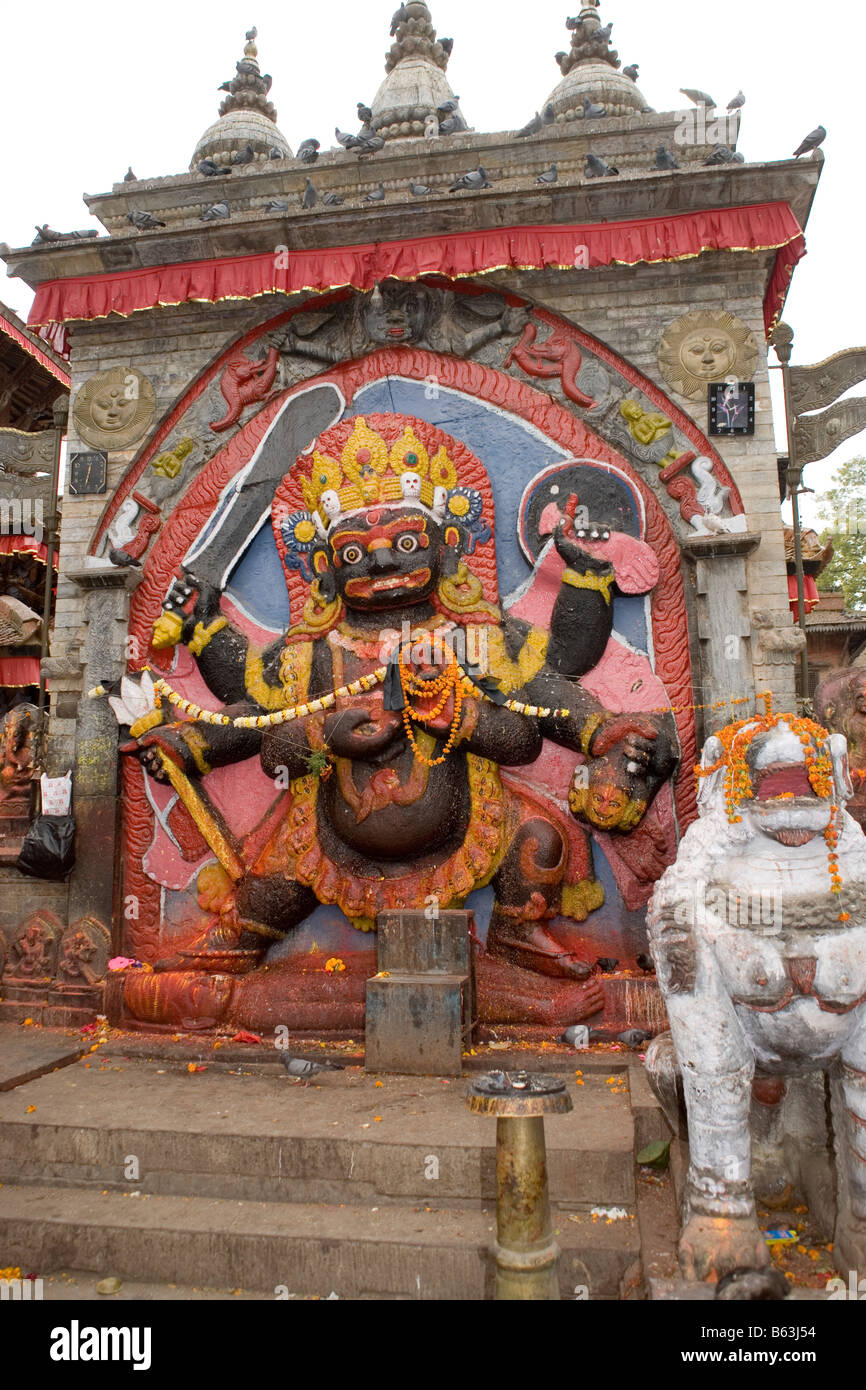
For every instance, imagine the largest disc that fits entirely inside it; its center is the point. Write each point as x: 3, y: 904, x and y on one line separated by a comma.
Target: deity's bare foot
x: 712, y: 1246
x: 225, y: 940
x: 537, y: 951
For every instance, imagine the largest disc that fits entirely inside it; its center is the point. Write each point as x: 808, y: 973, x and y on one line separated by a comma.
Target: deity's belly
x: 398, y: 812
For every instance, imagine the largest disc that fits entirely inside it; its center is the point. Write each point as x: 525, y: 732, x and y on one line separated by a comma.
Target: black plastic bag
x: 48, y: 850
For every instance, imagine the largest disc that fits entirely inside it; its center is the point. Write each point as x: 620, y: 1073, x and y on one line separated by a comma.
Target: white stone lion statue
x: 758, y: 932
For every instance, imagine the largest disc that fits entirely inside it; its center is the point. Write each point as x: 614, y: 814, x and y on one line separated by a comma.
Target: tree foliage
x: 842, y: 510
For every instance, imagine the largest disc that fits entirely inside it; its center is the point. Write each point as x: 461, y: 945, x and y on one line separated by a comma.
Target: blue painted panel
x: 511, y: 451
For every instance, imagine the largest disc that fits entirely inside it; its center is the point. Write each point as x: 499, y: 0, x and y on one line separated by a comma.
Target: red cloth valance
x: 19, y: 670
x: 763, y: 227
x: 24, y: 545
x: 811, y: 596
x: 32, y: 349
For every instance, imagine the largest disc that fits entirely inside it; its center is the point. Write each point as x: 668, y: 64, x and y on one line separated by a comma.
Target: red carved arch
x: 619, y: 365
x: 669, y: 616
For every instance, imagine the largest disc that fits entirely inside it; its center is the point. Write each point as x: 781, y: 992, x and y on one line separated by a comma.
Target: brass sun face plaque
x: 114, y: 409
x: 710, y: 345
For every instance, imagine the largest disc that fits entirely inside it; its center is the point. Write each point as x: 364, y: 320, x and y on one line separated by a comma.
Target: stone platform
x: 369, y: 1188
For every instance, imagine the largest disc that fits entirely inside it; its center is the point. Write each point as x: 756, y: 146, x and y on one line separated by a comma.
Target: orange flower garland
x: 736, y: 740
x: 450, y: 682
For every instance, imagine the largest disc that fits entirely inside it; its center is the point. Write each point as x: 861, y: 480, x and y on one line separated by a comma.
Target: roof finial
x: 414, y: 37
x: 249, y: 88
x: 590, y: 43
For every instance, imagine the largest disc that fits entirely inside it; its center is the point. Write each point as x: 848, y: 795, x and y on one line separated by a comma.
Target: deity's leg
x: 275, y: 902
x: 528, y: 888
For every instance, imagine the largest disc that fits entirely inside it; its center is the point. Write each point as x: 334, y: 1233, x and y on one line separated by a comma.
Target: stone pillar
x: 94, y: 782
x: 723, y: 622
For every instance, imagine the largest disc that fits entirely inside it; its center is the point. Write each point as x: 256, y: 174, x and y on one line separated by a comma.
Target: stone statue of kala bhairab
x: 385, y: 714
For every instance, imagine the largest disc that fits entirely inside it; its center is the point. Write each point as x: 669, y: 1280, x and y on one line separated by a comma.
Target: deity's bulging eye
x: 351, y: 555
x: 407, y: 544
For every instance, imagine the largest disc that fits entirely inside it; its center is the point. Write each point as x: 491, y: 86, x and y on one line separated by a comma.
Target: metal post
x: 783, y: 341
x: 526, y: 1253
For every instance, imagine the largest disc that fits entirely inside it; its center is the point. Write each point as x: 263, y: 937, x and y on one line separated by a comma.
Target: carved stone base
x: 72, y: 1008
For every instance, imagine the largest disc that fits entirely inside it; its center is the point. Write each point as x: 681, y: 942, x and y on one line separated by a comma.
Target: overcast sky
x: 88, y: 89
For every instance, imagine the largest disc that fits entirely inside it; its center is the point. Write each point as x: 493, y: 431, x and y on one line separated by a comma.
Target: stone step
x: 292, y: 1249
x: 261, y: 1137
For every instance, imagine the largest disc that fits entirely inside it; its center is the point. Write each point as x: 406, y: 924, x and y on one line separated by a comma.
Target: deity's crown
x: 370, y: 472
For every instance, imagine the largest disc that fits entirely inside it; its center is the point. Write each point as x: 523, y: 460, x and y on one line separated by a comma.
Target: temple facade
x: 536, y: 359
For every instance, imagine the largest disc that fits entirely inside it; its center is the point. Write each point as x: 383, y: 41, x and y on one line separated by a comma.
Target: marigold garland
x: 736, y: 739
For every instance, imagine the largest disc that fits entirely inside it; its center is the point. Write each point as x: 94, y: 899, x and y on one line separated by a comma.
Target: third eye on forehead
x: 388, y: 530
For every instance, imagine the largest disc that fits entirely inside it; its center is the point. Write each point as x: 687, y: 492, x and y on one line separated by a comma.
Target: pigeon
x: 333, y: 200
x: 752, y: 1286
x: 129, y: 176
x: 277, y: 205
x: 815, y: 138
x: 664, y: 159
x: 592, y: 111
x: 577, y: 1036
x: 308, y: 151
x: 303, y: 1068
x: 722, y: 155
x: 310, y: 195
x: 46, y: 233
x: 366, y: 144
x: 276, y: 153
x: 645, y: 963
x: 598, y: 168
x: 634, y: 1037
x: 365, y: 114
x: 398, y: 18
x: 419, y: 190
x: 602, y: 35
x: 736, y: 102
x: 452, y: 125
x: 699, y: 98
x: 447, y: 47
x: 574, y: 22
x: 538, y: 122
x: 562, y: 59
x: 144, y: 221
x: 224, y: 87
x: 247, y: 68
x: 475, y: 179
x: 244, y: 156
x: 216, y: 213
x: 631, y: 71
x: 268, y: 81
x: 549, y: 175
x: 531, y: 128
x: 251, y: 34
x: 607, y: 964
x: 448, y: 106
x: 210, y: 169
x: 377, y: 195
